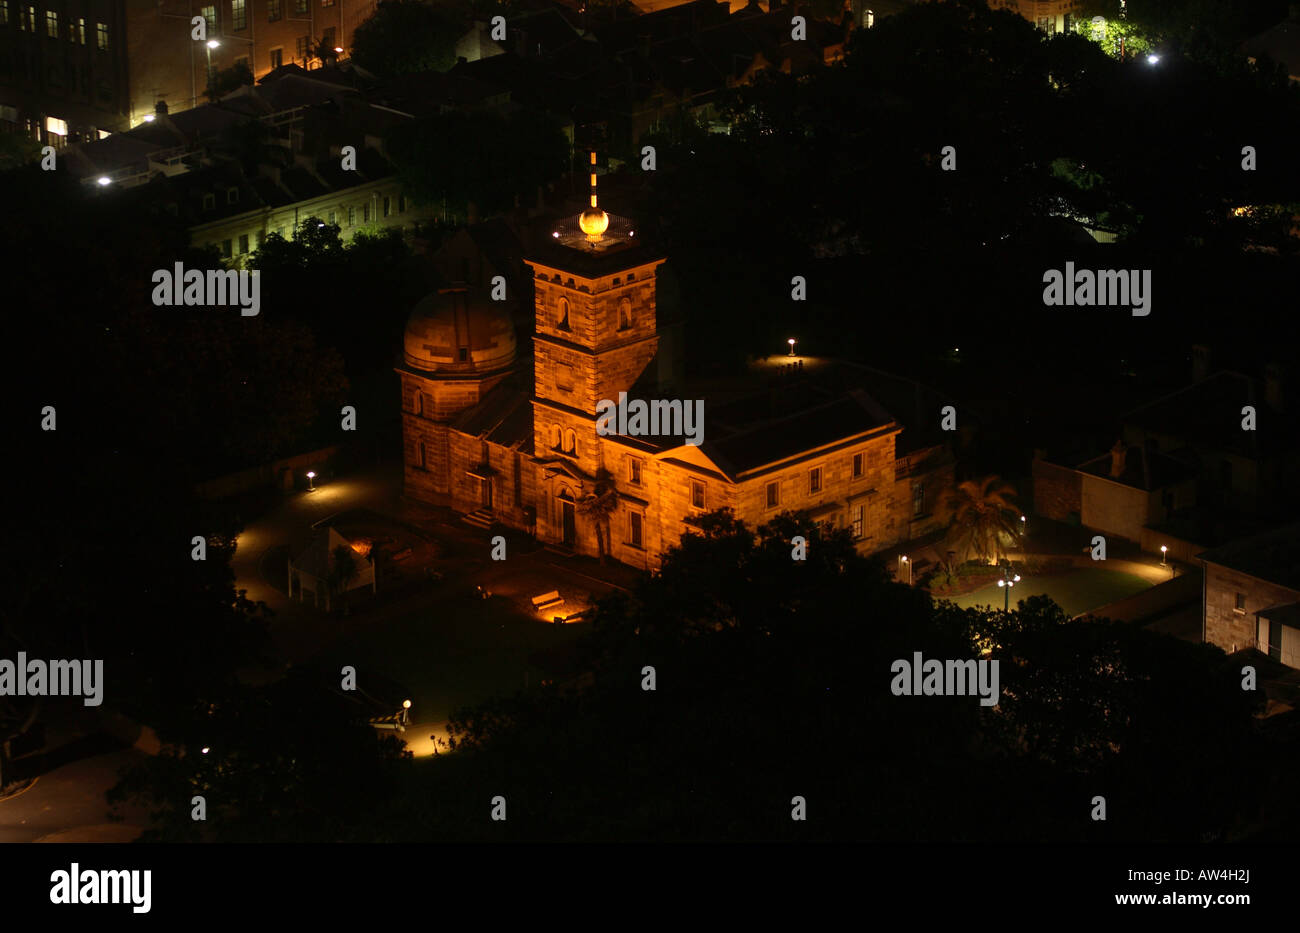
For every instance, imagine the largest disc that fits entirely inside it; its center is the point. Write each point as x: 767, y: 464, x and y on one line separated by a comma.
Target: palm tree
x: 599, y: 505
x: 980, y: 516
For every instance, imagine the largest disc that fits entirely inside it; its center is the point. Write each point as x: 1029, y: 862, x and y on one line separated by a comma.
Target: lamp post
x: 311, y: 486
x: 211, y: 44
x: 1164, y: 551
x: 905, y: 564
x: 1024, y: 527
x: 1006, y: 582
x: 791, y: 342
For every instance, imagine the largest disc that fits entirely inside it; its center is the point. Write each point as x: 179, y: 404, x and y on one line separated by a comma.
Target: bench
x: 548, y: 601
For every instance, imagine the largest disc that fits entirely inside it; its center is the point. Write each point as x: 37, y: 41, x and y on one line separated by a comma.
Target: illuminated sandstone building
x: 516, y: 444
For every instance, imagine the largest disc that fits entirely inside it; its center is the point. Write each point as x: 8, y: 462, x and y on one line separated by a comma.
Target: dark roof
x: 1273, y: 556
x: 1143, y: 469
x: 1281, y: 43
x: 504, y: 416
x: 1207, y: 414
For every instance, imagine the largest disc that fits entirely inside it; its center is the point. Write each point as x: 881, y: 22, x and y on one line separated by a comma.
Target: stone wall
x: 1058, y: 491
x: 1225, y: 625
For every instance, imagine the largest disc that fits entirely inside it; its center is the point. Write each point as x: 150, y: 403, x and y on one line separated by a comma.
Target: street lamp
x: 1024, y: 526
x: 791, y: 342
x: 1153, y: 59
x: 1006, y: 582
x: 903, y: 562
x: 212, y: 44
x: 311, y: 487
x: 1163, y: 552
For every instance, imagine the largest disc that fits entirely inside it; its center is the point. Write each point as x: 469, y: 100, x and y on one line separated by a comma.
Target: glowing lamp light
x: 594, y: 222
x: 1153, y: 59
x: 556, y: 234
x: 103, y: 180
x: 213, y: 43
x: 310, y: 477
x: 339, y: 49
x: 205, y: 749
x: 149, y: 118
x: 791, y: 342
x: 406, y: 704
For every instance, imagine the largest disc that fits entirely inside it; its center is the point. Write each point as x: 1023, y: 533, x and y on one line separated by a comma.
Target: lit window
x: 300, y: 7
x: 814, y: 480
x: 239, y: 14
x: 697, y: 494
x: 29, y: 19
x: 857, y: 465
x: 773, y: 495
x: 51, y: 24
x: 56, y: 126
x: 210, y: 15
x: 352, y: 216
x: 4, y: 12
x: 634, y: 471
x: 101, y: 36
x: 869, y: 19
x: 634, y: 529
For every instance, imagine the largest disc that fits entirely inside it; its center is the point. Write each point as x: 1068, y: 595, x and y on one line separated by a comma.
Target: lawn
x: 1074, y: 591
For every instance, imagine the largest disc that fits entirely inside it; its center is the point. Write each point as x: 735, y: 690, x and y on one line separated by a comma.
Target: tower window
x: 570, y: 443
x: 563, y: 308
x: 624, y: 313
x: 555, y: 437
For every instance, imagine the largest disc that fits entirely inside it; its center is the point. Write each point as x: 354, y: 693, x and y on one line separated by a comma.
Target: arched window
x: 563, y: 309
x: 555, y: 437
x: 624, y: 313
x: 570, y: 442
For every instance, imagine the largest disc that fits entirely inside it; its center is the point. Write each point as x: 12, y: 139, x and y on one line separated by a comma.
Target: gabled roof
x: 1273, y: 556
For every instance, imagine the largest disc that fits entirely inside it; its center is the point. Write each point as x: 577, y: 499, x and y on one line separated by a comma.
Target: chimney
x: 1118, y: 456
x: 1200, y: 362
x: 1273, y: 386
x: 160, y: 108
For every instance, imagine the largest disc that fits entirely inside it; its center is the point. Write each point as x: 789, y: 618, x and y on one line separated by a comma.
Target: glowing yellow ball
x: 593, y: 221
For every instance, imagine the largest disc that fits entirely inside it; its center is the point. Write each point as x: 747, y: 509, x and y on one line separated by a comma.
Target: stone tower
x: 595, y: 332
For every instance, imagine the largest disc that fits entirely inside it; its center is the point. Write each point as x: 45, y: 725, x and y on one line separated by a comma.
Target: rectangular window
x: 385, y: 207
x: 634, y: 529
x: 857, y: 465
x: 239, y: 14
x: 209, y: 201
x: 209, y: 13
x: 56, y: 126
x: 333, y: 217
x: 814, y: 481
x: 697, y: 494
x: 634, y: 471
x: 4, y: 12
x: 918, y: 500
x: 300, y: 7
x: 352, y: 216
x: 773, y: 495
x: 274, y: 10
x: 303, y: 45
x: 232, y: 195
x: 81, y: 32
x: 326, y: 2
x: 1241, y: 603
x: 859, y: 514
x: 51, y: 24
x: 243, y: 244
x: 101, y: 36
x: 29, y: 19
x: 277, y: 58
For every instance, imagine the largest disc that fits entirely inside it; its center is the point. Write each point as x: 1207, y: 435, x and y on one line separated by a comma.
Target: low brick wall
x: 1058, y: 492
x: 1162, y: 598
